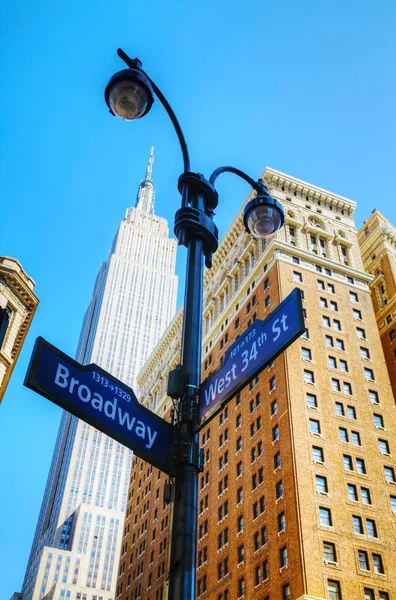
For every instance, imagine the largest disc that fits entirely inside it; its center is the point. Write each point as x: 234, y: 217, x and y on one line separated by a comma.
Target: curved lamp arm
x: 136, y: 63
x: 258, y: 186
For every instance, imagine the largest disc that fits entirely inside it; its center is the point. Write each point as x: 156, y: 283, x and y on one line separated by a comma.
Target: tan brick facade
x: 295, y: 497
x: 19, y: 301
x: 377, y: 239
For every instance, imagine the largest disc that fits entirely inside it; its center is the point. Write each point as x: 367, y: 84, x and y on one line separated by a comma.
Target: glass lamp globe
x: 263, y: 216
x: 129, y: 95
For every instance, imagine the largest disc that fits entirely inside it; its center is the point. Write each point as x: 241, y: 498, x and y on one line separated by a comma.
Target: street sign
x: 104, y: 402
x: 261, y: 343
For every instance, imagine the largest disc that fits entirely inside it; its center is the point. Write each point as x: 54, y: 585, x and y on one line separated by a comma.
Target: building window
x: 279, y: 489
x: 277, y: 461
x: 360, y: 333
x: 329, y: 341
x: 332, y: 362
x: 351, y: 412
x: 317, y: 454
x: 390, y: 474
x: 325, y: 516
x: 281, y: 522
x: 306, y: 353
x: 352, y: 492
x: 366, y: 496
x: 329, y: 552
x: 347, y: 460
x: 357, y: 524
x: 368, y: 374
x: 337, y: 325
x: 363, y: 560
x: 378, y: 564
x: 326, y: 321
x: 344, y: 254
x: 343, y: 366
x: 323, y: 302
x: 355, y: 437
x: 314, y: 427
x: 274, y: 407
x: 312, y: 401
x: 340, y: 344
x: 297, y: 276
x: 241, y: 587
x: 384, y: 447
x: 272, y: 383
x: 378, y: 421
x: 275, y: 433
x: 339, y: 409
x: 360, y: 466
x: 239, y: 524
x: 393, y: 503
x: 392, y: 335
x: 309, y: 376
x: 285, y: 592
x: 321, y: 484
x: 371, y: 528
x: 334, y: 590
x: 5, y: 314
x: 343, y: 434
x: 283, y: 557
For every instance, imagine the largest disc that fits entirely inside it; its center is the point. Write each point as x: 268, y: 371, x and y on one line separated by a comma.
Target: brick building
x: 297, y: 499
x: 377, y: 239
x: 18, y: 303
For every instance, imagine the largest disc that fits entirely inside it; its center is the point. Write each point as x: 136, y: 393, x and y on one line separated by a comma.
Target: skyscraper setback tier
x: 297, y: 498
x: 77, y: 542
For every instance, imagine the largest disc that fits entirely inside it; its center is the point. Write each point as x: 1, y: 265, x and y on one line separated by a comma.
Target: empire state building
x: 77, y: 543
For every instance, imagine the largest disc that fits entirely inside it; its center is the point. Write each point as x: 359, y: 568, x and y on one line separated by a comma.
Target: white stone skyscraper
x: 77, y: 543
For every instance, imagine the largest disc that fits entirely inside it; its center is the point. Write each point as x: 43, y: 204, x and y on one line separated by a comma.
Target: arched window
x: 316, y: 223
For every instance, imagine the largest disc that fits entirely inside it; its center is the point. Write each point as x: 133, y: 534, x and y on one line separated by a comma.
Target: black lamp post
x: 130, y: 95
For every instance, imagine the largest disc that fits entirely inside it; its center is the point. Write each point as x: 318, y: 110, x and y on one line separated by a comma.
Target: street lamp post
x: 130, y: 95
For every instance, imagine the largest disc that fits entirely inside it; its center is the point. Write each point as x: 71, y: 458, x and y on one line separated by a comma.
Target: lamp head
x: 263, y: 216
x: 129, y: 94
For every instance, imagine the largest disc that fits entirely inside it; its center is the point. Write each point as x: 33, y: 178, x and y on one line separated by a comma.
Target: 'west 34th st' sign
x: 260, y: 344
x: 101, y: 400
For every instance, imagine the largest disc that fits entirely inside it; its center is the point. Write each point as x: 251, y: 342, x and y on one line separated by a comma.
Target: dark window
x: 5, y: 314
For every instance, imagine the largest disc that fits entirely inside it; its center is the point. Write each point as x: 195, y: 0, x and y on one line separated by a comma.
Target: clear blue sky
x: 305, y: 87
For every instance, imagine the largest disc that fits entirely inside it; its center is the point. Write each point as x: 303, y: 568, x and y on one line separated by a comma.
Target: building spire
x: 150, y: 163
x: 146, y: 192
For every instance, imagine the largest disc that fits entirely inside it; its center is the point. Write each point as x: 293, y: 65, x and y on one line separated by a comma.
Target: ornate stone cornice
x: 309, y: 192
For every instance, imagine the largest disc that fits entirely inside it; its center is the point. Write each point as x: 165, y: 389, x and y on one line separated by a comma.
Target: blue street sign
x: 104, y: 402
x: 250, y: 353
